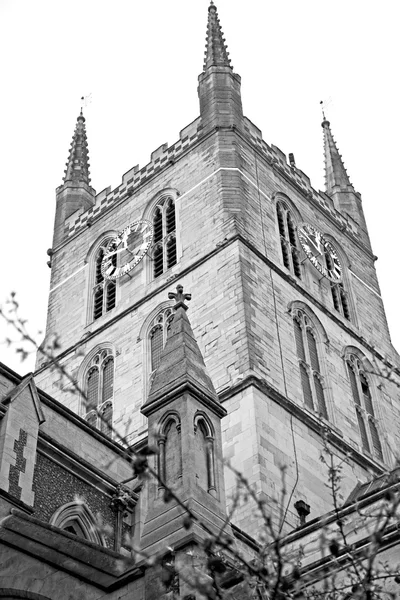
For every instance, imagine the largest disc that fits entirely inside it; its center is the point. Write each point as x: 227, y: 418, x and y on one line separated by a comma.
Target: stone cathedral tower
x: 287, y: 313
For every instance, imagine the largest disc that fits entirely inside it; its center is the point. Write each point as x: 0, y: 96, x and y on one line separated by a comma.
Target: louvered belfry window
x: 288, y: 239
x: 339, y: 294
x: 164, y: 241
x: 99, y: 390
x: 158, y: 335
x: 363, y: 404
x: 309, y: 364
x: 104, y: 292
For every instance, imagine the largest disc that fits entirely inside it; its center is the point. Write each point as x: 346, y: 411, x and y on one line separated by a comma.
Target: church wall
x: 49, y: 582
x: 55, y: 486
x: 259, y: 442
x: 270, y: 301
x: 262, y: 231
x: 219, y: 323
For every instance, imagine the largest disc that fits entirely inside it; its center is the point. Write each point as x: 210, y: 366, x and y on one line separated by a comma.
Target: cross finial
x: 179, y: 297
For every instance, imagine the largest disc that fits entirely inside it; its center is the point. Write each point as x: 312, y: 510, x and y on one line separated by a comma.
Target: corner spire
x: 336, y: 178
x: 337, y: 183
x: 75, y: 193
x: 219, y: 86
x: 78, y: 160
x: 216, y: 53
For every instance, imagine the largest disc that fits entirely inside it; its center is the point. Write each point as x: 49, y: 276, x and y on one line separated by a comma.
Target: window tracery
x: 104, y: 291
x: 362, y: 397
x: 158, y: 332
x: 309, y: 363
x: 164, y: 240
x: 339, y: 294
x: 99, y: 390
x: 288, y: 239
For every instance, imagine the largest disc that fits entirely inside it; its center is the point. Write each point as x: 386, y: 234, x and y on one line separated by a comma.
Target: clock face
x: 130, y: 246
x: 320, y: 252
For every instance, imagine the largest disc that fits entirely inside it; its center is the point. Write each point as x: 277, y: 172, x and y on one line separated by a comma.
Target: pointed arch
x: 153, y: 335
x: 169, y: 449
x: 101, y: 294
x: 364, y: 394
x: 287, y: 217
x: 205, y: 453
x: 319, y: 328
x: 96, y: 378
x: 341, y: 296
x: 162, y: 212
x: 75, y: 517
x: 309, y: 341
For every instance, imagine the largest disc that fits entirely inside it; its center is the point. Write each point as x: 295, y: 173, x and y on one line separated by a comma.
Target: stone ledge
x: 80, y: 558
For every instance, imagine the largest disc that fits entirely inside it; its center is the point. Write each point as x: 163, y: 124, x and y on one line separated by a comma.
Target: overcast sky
x: 140, y: 62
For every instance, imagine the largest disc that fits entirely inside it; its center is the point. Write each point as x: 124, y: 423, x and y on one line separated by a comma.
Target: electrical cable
x: 279, y: 345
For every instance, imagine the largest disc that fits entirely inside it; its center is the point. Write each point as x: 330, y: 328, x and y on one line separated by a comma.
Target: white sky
x: 140, y: 61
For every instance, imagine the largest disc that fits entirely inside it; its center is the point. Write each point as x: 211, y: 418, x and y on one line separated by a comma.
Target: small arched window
x: 104, y: 291
x: 164, y: 240
x: 361, y: 392
x: 309, y: 364
x: 158, y: 335
x: 204, y: 456
x: 76, y: 518
x: 99, y: 390
x: 338, y: 292
x: 287, y: 232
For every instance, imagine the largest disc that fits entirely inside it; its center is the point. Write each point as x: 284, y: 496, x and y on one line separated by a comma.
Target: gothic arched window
x: 99, y: 390
x: 104, y: 291
x: 76, y: 518
x: 164, y: 241
x: 361, y: 392
x: 287, y: 233
x: 309, y: 364
x: 339, y: 294
x: 158, y: 335
x: 204, y: 458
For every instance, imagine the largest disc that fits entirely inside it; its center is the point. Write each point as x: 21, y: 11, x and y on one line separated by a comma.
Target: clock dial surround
x: 130, y: 246
x: 320, y: 252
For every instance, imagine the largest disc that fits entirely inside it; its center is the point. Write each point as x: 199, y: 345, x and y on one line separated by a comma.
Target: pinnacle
x: 78, y: 159
x: 336, y: 176
x: 181, y: 363
x: 216, y: 53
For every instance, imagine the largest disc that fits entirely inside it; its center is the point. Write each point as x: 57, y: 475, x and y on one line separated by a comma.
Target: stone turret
x: 219, y: 86
x: 75, y: 194
x: 184, y: 416
x: 337, y: 181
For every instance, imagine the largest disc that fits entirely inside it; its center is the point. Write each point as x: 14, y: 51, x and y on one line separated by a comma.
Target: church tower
x: 288, y: 313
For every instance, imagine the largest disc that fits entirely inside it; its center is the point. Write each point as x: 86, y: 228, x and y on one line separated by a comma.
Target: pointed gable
x: 19, y: 430
x: 182, y: 364
x: 28, y: 388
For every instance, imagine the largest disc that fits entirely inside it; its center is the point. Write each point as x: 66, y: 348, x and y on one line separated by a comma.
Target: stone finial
x: 78, y: 160
x: 216, y: 53
x: 336, y: 177
x: 179, y: 297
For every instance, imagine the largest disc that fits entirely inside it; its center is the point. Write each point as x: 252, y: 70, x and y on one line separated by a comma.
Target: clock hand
x: 312, y: 242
